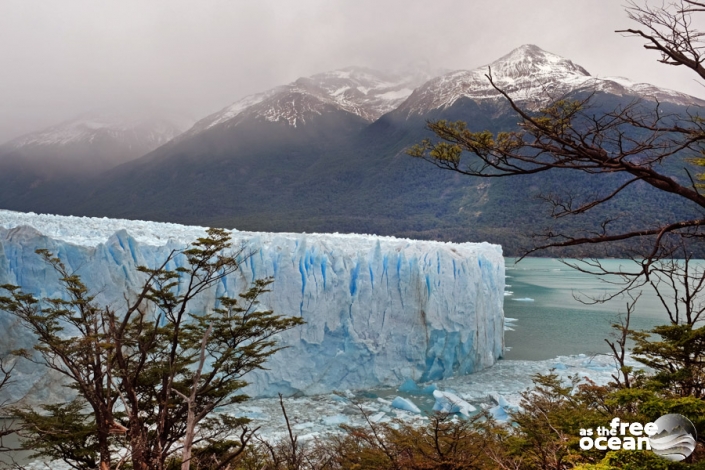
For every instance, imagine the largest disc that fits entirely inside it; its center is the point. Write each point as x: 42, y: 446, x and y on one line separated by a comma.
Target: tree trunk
x: 102, y: 422
x: 188, y: 439
x: 139, y: 449
x: 191, y: 402
x: 104, y: 449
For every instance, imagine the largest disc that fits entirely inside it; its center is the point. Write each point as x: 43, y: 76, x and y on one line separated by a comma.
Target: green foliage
x: 445, y: 442
x: 61, y: 432
x: 546, y: 431
x: 626, y: 460
x: 678, y: 358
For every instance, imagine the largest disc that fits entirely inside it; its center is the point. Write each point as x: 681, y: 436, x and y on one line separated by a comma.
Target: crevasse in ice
x: 378, y: 310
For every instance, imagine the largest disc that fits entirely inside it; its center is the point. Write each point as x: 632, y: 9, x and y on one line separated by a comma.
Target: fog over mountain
x: 63, y: 59
x: 91, y: 142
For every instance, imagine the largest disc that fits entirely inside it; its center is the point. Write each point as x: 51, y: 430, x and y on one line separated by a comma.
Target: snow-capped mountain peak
x: 361, y: 91
x: 530, y: 75
x: 531, y: 60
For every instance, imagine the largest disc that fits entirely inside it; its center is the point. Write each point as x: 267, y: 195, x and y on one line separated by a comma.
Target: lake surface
x: 551, y: 322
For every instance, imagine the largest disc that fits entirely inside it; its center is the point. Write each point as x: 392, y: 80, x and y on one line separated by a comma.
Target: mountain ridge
x: 326, y: 168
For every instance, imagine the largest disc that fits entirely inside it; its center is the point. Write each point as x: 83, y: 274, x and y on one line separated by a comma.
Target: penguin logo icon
x: 675, y: 439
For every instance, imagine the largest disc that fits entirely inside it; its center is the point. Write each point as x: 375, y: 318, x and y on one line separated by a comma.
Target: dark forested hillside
x: 340, y: 175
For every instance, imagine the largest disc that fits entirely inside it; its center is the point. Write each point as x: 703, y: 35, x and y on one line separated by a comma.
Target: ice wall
x: 378, y: 310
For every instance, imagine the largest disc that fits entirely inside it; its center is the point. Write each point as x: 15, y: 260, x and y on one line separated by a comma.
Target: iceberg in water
x: 378, y: 310
x: 447, y: 402
x: 498, y: 413
x: 406, y: 405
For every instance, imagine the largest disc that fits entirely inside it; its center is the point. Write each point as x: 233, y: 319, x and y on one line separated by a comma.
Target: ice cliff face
x: 378, y: 310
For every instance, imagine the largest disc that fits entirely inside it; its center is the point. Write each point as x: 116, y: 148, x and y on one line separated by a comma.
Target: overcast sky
x: 62, y: 58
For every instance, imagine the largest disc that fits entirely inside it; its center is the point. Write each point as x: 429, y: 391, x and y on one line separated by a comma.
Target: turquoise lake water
x: 553, y: 322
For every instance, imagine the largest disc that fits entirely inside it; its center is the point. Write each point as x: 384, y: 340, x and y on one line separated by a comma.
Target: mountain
x: 363, y: 92
x: 91, y: 143
x: 258, y: 142
x: 509, y: 210
x: 327, y: 153
x: 532, y: 77
x: 42, y: 164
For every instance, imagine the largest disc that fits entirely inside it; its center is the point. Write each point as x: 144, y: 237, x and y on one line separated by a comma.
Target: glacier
x: 378, y: 310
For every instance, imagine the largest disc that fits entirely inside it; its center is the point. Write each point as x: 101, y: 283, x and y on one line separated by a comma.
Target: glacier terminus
x: 378, y: 310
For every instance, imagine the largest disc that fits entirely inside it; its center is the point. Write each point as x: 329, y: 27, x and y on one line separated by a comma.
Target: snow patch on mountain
x: 232, y: 111
x: 647, y: 91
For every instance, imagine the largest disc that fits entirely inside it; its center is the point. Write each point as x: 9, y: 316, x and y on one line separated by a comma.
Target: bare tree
x: 618, y: 346
x: 669, y: 29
